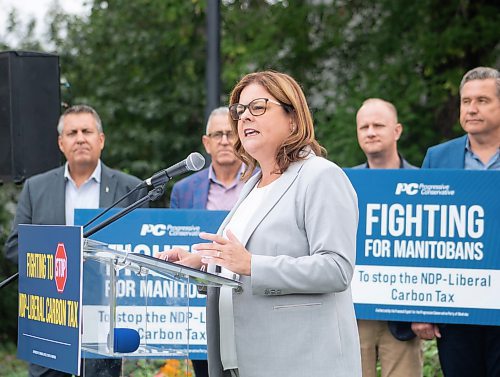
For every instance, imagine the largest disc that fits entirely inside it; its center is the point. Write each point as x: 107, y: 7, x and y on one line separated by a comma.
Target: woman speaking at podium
x: 291, y: 238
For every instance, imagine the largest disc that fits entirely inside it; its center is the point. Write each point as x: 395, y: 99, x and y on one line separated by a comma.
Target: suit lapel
x: 59, y: 191
x: 201, y: 186
x: 459, y: 163
x: 281, y: 186
x: 108, y: 187
x: 452, y: 156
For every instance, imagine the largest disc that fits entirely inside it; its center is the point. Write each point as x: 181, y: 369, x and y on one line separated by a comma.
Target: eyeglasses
x: 218, y: 135
x: 256, y: 107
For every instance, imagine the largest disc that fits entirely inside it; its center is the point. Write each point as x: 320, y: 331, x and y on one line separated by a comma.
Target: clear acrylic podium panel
x: 132, y: 291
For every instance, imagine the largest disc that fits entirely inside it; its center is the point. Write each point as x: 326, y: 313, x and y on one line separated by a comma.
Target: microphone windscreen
x: 125, y: 340
x: 195, y: 161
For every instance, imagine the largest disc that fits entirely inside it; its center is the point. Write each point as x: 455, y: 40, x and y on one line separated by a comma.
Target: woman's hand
x: 181, y: 256
x: 225, y: 252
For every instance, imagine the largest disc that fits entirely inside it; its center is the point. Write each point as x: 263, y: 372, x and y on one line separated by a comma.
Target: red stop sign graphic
x: 60, y: 267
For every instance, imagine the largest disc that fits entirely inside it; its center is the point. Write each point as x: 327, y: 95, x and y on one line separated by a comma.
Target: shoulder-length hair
x: 288, y: 92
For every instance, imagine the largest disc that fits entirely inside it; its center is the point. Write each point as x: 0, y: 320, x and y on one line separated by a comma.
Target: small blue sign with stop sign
x: 50, y: 295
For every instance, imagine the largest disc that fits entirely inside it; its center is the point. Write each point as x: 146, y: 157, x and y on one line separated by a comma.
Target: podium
x: 72, y: 304
x: 150, y: 272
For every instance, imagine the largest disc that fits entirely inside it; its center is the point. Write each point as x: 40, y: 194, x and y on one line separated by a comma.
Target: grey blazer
x: 295, y: 315
x: 42, y: 200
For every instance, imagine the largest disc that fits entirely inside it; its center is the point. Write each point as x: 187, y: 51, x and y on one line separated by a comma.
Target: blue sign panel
x: 50, y: 280
x: 166, y: 323
x: 428, y: 245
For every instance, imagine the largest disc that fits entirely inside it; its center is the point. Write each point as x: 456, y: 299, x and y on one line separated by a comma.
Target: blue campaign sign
x: 50, y: 281
x: 428, y: 245
x: 164, y: 324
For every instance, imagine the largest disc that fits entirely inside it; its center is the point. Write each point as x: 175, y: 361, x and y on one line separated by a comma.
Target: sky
x: 38, y: 9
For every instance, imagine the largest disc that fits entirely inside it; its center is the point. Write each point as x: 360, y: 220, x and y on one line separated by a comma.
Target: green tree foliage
x: 410, y: 53
x: 414, y: 54
x: 141, y: 65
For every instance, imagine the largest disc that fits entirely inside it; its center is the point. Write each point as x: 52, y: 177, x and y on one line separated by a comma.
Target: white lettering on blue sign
x: 443, y: 220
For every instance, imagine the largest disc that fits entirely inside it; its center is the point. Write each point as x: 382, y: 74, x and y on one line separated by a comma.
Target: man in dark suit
x: 393, y: 343
x: 84, y: 182
x: 216, y: 187
x: 470, y: 350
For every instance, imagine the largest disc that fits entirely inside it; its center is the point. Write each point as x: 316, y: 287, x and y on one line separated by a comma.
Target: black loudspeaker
x: 29, y: 111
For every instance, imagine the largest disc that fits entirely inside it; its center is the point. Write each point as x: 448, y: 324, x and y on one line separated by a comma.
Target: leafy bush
x: 432, y: 368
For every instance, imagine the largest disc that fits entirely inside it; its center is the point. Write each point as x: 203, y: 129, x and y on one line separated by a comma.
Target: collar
x: 213, y: 178
x: 96, y: 175
x: 467, y: 144
x: 401, y: 162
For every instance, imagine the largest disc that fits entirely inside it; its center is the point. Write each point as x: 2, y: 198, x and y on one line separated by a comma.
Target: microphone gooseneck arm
x: 193, y: 162
x: 152, y: 195
x: 9, y: 280
x: 94, y: 219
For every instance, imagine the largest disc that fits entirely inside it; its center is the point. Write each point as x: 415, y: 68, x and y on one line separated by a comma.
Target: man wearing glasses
x: 216, y: 187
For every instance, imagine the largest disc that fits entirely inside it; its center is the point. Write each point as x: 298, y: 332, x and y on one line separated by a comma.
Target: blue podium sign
x: 148, y: 231
x: 50, y: 281
x: 428, y: 245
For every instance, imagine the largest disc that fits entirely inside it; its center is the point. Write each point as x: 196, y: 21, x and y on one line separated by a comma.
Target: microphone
x: 194, y: 162
x: 125, y: 340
